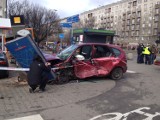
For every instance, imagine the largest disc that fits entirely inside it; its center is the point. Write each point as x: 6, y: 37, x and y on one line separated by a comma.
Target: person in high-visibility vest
x: 147, y: 53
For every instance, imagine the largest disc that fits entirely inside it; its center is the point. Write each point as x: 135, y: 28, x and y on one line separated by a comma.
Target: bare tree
x: 43, y: 21
x: 89, y: 23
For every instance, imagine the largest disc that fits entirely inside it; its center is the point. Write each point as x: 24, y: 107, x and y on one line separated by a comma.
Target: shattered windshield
x: 65, y: 54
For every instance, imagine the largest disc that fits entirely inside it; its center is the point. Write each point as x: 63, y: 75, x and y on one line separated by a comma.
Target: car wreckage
x: 80, y: 61
x: 77, y: 61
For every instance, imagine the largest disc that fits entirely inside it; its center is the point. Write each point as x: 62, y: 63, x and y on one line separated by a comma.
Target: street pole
x: 6, y: 8
x: 72, y: 33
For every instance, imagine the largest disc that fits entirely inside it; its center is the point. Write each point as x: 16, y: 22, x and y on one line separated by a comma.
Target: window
x: 156, y: 11
x: 133, y: 27
x: 135, y: 3
x: 139, y: 1
x: 128, y: 22
x: 145, y: 7
x: 133, y: 21
x: 139, y: 14
x: 86, y: 51
x: 156, y: 18
x: 138, y: 27
x: 156, y: 25
x: 116, y: 52
x: 137, y: 33
x: 101, y: 51
x: 138, y: 20
x: 127, y: 33
x: 155, y: 31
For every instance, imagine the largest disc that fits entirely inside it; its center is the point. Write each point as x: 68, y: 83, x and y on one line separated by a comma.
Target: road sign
x: 73, y: 19
x: 61, y: 35
x: 5, y: 23
x: 67, y: 25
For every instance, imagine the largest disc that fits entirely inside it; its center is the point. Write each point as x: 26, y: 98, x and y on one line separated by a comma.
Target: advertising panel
x: 24, y: 49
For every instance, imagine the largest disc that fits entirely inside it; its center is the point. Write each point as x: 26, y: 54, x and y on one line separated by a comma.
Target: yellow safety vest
x: 146, y: 51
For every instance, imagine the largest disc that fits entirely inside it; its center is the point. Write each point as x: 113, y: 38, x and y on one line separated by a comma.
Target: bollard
x: 130, y: 56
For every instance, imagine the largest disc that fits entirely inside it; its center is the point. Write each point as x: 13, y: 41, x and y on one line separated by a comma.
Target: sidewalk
x: 16, y: 101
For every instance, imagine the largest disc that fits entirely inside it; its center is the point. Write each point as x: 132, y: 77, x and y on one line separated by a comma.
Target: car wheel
x: 117, y: 74
x: 62, y: 77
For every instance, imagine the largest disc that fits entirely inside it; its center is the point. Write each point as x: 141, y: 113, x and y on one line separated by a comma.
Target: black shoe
x: 41, y: 90
x: 31, y: 90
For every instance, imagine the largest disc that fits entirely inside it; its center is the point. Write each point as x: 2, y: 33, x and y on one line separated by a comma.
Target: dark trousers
x: 44, y: 80
x: 140, y: 58
x: 153, y: 57
x: 147, y: 59
x: 42, y: 83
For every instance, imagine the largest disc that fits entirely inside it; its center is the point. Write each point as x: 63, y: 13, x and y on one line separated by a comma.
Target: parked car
x: 3, y: 63
x: 85, y: 60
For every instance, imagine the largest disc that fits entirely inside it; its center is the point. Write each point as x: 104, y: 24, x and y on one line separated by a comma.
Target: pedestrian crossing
x: 31, y: 117
x: 130, y: 71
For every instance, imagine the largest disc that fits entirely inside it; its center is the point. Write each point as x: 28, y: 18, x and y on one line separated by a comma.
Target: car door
x: 85, y: 68
x: 103, y: 59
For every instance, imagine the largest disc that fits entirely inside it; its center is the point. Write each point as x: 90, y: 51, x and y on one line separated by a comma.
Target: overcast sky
x: 66, y: 8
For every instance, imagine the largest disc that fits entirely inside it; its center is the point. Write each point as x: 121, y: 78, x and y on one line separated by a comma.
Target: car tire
x: 117, y: 73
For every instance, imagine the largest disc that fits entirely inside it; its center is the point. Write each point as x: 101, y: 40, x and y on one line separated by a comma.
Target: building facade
x: 133, y: 20
x: 3, y: 8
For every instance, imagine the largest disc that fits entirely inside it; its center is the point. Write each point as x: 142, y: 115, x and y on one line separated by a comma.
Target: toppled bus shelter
x: 93, y: 36
x: 24, y: 49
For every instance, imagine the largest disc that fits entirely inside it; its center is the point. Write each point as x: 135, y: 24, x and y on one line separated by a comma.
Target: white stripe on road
x: 32, y: 117
x: 129, y: 71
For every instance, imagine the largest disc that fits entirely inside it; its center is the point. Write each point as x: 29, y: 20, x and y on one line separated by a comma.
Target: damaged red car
x: 80, y: 61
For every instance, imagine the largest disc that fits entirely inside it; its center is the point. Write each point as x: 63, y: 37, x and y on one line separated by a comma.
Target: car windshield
x: 65, y: 54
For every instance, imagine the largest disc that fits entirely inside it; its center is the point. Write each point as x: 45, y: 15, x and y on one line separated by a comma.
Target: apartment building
x: 133, y: 20
x: 3, y: 8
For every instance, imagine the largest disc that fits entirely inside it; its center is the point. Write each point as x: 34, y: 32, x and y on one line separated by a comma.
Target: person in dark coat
x: 140, y: 56
x: 38, y: 74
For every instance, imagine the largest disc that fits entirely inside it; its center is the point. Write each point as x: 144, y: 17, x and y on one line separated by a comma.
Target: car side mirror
x: 79, y: 57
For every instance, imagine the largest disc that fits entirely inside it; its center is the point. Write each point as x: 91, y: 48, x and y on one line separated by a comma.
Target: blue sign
x: 61, y: 35
x: 67, y: 25
x: 73, y: 19
x: 23, y: 50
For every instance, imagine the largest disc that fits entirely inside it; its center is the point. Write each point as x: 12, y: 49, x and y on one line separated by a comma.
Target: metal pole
x: 6, y: 8
x: 2, y: 42
x: 72, y: 34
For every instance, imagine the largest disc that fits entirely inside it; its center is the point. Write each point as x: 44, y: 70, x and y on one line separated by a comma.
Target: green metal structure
x: 93, y: 36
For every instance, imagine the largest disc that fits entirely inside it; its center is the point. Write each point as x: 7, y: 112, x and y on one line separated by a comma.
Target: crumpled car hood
x: 50, y: 56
